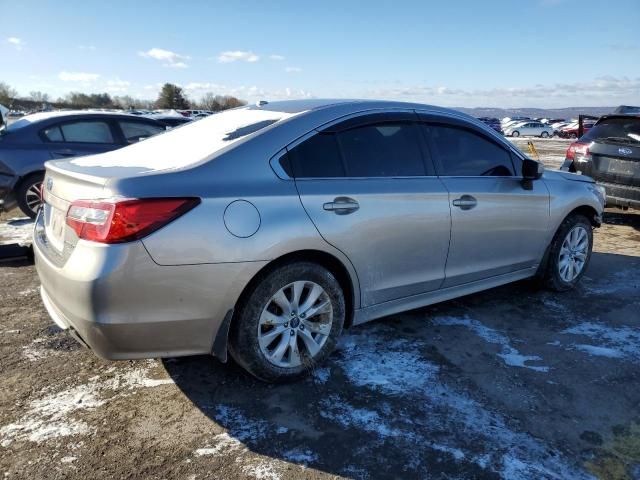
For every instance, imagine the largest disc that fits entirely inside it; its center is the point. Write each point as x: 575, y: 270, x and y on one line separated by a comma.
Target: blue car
x: 27, y: 143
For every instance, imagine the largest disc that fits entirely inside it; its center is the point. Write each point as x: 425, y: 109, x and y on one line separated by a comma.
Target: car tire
x: 516, y: 133
x: 567, y: 259
x: 28, y: 194
x: 544, y: 135
x: 272, y: 338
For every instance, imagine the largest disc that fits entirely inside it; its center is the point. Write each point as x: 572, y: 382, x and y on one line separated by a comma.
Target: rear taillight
x: 578, y: 151
x: 124, y: 220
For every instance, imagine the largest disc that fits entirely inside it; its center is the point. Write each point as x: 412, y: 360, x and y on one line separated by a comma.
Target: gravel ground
x: 514, y: 383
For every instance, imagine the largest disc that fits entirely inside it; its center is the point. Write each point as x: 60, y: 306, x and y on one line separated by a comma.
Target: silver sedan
x: 265, y: 230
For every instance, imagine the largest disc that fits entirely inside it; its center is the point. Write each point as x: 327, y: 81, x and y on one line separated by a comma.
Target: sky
x: 502, y: 53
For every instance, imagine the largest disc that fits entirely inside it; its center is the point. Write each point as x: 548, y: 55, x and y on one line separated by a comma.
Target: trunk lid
x: 614, y: 163
x: 60, y: 188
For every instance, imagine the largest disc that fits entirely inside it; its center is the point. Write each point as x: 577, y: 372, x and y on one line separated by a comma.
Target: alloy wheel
x: 573, y: 253
x: 295, y: 324
x: 32, y: 197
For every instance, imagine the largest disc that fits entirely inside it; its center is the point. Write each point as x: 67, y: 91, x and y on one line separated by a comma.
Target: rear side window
x: 382, y: 150
x: 87, y: 132
x: 461, y: 152
x: 135, y: 131
x: 615, y: 130
x: 53, y: 134
x: 317, y: 157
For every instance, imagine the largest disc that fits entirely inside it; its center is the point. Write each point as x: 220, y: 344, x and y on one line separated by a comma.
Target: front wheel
x: 288, y: 323
x: 28, y: 194
x: 515, y: 134
x: 569, y: 253
x: 544, y: 134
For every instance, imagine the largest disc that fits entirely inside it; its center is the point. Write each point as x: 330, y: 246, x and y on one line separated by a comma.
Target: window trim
x: 357, y: 120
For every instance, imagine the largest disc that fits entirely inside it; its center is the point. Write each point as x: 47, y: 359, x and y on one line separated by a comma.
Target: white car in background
x: 529, y: 129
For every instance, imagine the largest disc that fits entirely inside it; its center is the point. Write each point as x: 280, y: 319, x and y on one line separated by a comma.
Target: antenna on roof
x: 261, y: 103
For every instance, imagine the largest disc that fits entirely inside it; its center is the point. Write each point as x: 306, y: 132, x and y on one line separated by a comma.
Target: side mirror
x: 531, y: 170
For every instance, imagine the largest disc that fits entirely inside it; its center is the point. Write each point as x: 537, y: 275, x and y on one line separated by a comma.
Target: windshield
x: 616, y: 130
x: 189, y: 144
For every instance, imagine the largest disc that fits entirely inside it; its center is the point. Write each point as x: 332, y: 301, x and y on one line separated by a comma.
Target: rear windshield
x: 189, y: 144
x: 615, y: 130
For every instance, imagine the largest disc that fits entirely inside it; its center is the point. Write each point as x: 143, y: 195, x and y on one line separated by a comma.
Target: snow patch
x: 223, y: 444
x: 301, y: 456
x: 68, y: 459
x: 439, y: 413
x: 511, y: 356
x: 262, y: 471
x: 611, y: 342
x: 16, y: 230
x: 51, y: 416
x: 321, y: 375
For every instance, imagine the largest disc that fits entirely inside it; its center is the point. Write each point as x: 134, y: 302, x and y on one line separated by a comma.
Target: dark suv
x: 32, y: 140
x: 610, y: 153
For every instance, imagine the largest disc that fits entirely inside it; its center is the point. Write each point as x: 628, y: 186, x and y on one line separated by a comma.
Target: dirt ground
x: 514, y: 383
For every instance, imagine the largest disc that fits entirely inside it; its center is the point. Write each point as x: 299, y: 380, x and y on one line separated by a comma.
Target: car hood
x: 574, y: 177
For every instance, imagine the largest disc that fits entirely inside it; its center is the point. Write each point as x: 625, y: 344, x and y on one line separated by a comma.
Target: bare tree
x: 39, y: 97
x: 7, y: 94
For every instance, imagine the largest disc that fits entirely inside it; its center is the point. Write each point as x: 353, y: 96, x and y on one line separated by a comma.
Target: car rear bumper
x: 122, y: 305
x: 621, y: 195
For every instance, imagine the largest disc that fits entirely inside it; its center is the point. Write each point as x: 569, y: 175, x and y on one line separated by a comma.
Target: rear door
x: 77, y: 138
x: 497, y: 226
x: 371, y: 193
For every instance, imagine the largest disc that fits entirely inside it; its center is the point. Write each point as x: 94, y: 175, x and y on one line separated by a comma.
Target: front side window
x: 87, y: 132
x: 461, y: 152
x: 135, y: 131
x: 382, y: 150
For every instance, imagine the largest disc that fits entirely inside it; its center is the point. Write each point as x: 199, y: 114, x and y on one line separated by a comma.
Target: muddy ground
x: 513, y: 383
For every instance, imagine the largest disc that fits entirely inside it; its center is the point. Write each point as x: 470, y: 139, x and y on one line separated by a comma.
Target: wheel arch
x: 347, y: 282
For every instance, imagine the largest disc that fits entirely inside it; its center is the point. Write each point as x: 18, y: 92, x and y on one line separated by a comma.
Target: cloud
x: 176, y: 65
x: 171, y: 59
x: 607, y: 90
x: 293, y: 69
x: 237, y: 55
x: 117, y: 86
x: 16, y: 42
x: 203, y: 86
x: 277, y: 58
x: 87, y: 47
x: 78, y: 77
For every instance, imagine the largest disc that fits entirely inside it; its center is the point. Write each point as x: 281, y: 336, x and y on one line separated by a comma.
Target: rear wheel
x: 289, y: 323
x: 544, y: 134
x: 569, y: 253
x: 28, y: 194
x: 516, y: 133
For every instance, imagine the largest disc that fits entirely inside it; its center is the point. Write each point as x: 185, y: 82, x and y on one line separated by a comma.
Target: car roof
x: 45, y: 116
x: 299, y: 106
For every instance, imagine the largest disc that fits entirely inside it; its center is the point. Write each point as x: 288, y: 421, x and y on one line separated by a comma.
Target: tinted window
x: 136, y: 131
x: 317, y: 157
x: 382, y: 150
x: 615, y: 130
x: 461, y: 152
x: 53, y: 134
x: 87, y: 132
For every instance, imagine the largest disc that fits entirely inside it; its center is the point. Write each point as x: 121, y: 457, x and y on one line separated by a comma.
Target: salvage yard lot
x: 514, y: 382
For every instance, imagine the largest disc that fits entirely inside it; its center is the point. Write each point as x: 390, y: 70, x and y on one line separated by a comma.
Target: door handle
x: 465, y: 202
x: 341, y: 206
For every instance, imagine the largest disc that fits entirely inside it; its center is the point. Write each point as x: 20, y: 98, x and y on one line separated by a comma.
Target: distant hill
x: 570, y: 112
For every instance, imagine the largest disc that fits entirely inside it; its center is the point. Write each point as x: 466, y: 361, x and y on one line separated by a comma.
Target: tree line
x: 170, y: 97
